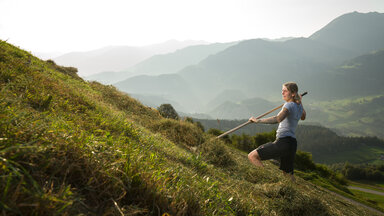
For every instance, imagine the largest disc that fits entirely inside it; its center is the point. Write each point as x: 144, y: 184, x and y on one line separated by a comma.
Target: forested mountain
x: 360, y: 116
x: 356, y: 32
x: 117, y: 58
x: 328, y: 147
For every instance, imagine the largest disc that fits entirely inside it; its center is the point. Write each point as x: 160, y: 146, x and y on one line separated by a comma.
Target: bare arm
x: 274, y: 119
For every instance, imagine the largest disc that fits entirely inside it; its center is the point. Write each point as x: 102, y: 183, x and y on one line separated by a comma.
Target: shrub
x: 71, y: 71
x: 304, y: 162
x: 217, y: 132
x: 215, y: 152
x: 198, y: 124
x: 179, y: 132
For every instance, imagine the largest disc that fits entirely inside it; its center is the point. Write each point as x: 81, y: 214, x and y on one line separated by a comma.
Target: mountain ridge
x: 166, y: 63
x: 117, y: 58
x: 354, y: 26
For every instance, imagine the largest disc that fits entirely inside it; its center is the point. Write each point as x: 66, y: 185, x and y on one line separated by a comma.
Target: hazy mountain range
x: 343, y: 60
x: 117, y: 58
x: 163, y: 64
x: 258, y: 67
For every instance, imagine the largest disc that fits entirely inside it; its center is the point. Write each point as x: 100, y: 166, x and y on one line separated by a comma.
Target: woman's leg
x: 255, y: 158
x: 288, y: 159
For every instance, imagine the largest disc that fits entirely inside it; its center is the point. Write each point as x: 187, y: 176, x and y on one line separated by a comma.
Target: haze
x: 63, y: 26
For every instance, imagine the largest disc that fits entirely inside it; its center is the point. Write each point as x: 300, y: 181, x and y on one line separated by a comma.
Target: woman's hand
x: 254, y: 120
x: 301, y: 98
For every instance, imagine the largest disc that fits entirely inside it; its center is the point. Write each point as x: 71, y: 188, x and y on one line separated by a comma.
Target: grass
x: 372, y: 200
x: 375, y: 199
x: 70, y: 147
x: 377, y: 186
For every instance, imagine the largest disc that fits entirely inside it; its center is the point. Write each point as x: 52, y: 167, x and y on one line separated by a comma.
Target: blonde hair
x: 292, y: 88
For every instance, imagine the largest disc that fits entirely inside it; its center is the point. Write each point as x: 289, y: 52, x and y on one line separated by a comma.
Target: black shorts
x: 283, y: 148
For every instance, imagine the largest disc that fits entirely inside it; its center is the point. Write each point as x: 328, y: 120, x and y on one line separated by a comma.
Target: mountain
x: 163, y: 63
x: 233, y: 95
x: 117, y: 58
x: 352, y: 101
x: 365, y: 71
x: 250, y: 66
x: 242, y: 109
x: 357, y: 32
x: 162, y: 86
x: 352, y: 117
x: 155, y: 101
x: 258, y: 68
x: 72, y: 147
x: 174, y: 62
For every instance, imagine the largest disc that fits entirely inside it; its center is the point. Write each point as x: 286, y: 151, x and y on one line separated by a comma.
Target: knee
x: 253, y: 155
x: 250, y: 156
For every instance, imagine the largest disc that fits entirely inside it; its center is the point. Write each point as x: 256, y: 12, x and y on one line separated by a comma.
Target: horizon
x: 39, y: 26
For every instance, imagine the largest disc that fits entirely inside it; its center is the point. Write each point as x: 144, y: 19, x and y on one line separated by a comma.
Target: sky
x: 83, y: 25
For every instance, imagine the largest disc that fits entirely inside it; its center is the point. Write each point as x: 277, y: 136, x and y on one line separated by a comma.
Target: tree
x: 167, y: 111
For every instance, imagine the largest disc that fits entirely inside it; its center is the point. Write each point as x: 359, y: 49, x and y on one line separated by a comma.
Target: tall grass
x: 70, y: 147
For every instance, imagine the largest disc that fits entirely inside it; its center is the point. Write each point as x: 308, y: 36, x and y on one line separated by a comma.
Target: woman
x: 285, y: 145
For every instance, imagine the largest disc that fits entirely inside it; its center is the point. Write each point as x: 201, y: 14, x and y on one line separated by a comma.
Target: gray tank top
x: 287, y: 127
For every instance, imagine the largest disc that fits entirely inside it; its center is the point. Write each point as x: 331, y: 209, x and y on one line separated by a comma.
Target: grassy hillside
x: 71, y: 147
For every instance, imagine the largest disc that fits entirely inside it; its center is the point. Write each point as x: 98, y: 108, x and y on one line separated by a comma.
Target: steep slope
x: 71, y: 147
x: 358, y: 32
